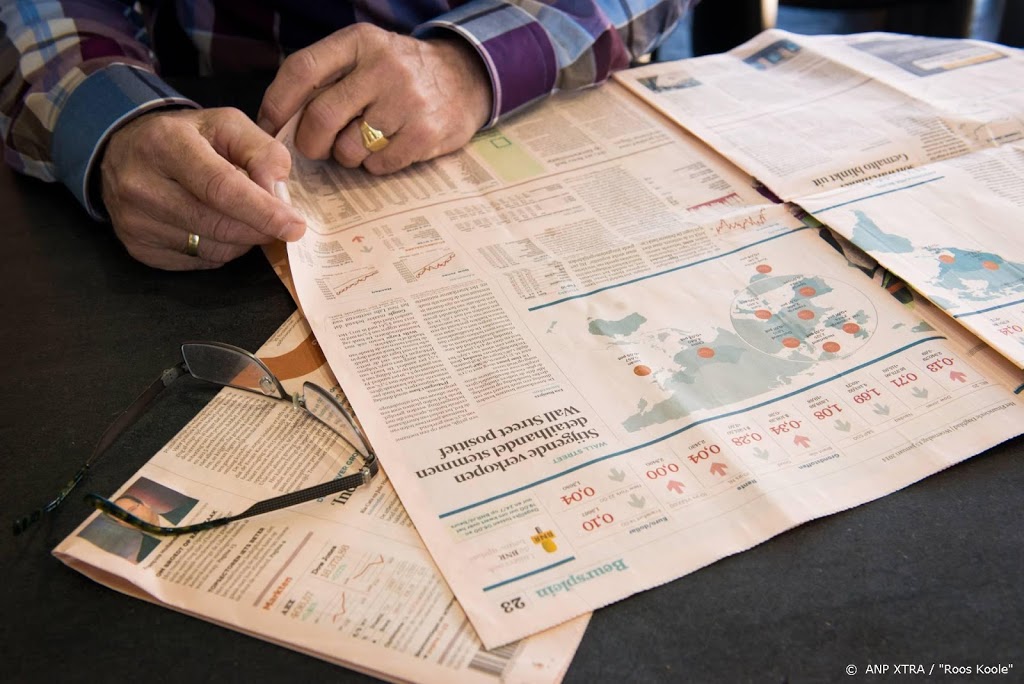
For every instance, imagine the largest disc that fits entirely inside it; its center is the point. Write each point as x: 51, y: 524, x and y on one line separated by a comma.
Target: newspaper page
x: 908, y: 146
x: 952, y: 229
x: 997, y: 368
x: 347, y: 580
x: 810, y: 113
x: 620, y: 363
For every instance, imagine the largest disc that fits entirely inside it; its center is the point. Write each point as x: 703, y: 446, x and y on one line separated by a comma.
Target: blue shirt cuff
x: 98, y: 106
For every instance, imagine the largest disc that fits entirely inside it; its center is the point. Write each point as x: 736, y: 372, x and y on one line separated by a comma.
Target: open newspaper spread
x: 347, y: 580
x: 593, y: 357
x: 911, y: 147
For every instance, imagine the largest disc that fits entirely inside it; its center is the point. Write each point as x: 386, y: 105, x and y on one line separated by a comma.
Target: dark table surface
x: 929, y: 574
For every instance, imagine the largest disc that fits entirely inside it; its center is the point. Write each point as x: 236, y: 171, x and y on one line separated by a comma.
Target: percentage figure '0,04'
x: 705, y: 453
x: 578, y: 496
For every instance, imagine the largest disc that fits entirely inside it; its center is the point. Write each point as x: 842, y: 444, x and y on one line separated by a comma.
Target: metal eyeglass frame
x: 314, y: 400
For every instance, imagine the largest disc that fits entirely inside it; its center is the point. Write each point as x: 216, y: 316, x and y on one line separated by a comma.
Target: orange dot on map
x: 805, y: 314
x: 763, y: 314
x: 764, y: 268
x: 831, y: 347
x: 947, y: 258
x: 705, y: 352
x: 790, y: 342
x: 808, y: 291
x: 990, y: 265
x: 641, y: 370
x: 851, y: 328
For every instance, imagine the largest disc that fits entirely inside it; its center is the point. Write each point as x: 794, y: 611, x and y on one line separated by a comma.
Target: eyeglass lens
x: 227, y: 365
x: 326, y: 409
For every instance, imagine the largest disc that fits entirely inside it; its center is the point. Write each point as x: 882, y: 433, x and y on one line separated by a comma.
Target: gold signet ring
x: 373, y: 140
x: 192, y: 246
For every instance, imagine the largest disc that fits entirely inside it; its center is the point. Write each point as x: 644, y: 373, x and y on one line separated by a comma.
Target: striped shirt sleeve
x: 72, y: 72
x: 533, y: 48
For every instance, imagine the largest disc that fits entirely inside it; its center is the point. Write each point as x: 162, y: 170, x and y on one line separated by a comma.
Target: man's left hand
x: 427, y: 96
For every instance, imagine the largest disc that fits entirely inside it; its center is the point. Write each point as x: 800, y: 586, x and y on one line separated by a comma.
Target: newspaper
x: 911, y: 147
x: 347, y: 580
x: 594, y: 357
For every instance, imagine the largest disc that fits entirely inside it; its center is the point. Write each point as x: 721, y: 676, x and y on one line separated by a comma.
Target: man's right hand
x: 212, y: 172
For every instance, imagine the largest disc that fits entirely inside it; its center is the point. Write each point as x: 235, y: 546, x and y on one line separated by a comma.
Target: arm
x: 430, y: 93
x: 74, y: 72
x: 534, y: 48
x: 81, y: 103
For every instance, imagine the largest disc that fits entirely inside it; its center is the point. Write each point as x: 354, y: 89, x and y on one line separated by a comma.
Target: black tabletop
x: 928, y: 575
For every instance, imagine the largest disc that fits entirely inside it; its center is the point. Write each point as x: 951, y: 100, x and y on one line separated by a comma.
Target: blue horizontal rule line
x: 529, y: 574
x: 670, y: 270
x: 877, y: 194
x: 683, y: 429
x: 991, y: 308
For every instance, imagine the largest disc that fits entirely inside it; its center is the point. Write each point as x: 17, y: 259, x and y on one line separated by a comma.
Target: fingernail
x: 264, y: 123
x: 294, y: 231
x: 281, y: 191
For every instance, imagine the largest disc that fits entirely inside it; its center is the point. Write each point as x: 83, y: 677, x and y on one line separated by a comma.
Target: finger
x: 409, y: 145
x: 163, y: 246
x: 349, y: 147
x: 214, y: 181
x: 331, y: 111
x: 165, y: 201
x: 304, y: 71
x: 211, y: 251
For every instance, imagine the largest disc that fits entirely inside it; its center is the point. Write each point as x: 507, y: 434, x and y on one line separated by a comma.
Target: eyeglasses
x: 229, y: 366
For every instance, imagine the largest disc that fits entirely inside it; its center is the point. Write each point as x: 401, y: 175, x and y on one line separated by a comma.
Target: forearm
x: 73, y: 72
x: 533, y: 48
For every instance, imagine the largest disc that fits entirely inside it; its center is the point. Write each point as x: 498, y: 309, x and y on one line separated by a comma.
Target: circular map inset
x: 803, y: 317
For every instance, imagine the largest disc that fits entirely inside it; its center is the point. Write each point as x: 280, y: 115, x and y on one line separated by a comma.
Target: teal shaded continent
x: 965, y: 270
x: 869, y: 237
x: 624, y: 326
x: 970, y: 274
x: 735, y: 373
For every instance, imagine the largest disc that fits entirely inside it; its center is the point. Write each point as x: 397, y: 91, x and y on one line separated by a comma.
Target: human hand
x: 212, y: 172
x: 427, y: 96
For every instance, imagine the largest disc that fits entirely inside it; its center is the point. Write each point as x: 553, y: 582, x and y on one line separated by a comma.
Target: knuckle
x: 278, y: 155
x: 231, y: 115
x: 270, y: 107
x: 130, y: 188
x: 407, y: 76
x: 321, y: 113
x: 215, y: 188
x: 220, y: 227
x: 159, y: 126
x: 365, y: 32
x: 301, y: 65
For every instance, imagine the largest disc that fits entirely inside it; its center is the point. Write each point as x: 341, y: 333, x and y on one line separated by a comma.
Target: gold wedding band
x: 373, y: 139
x: 192, y: 246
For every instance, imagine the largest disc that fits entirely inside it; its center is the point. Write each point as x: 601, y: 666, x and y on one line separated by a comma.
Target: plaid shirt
x: 71, y: 72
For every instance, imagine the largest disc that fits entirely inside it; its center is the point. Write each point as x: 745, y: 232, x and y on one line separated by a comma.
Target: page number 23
x: 512, y: 604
